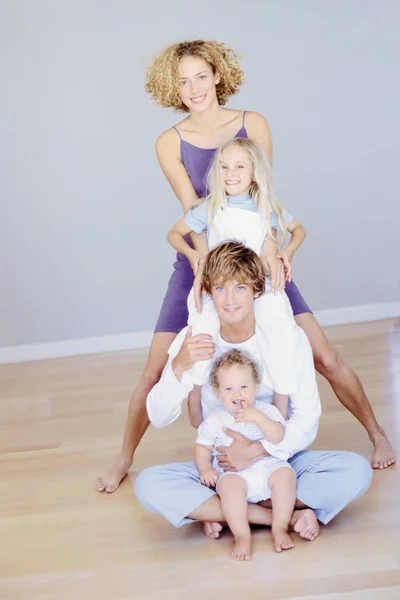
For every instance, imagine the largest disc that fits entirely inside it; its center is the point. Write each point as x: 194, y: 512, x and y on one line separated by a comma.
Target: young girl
x: 241, y: 205
x: 235, y: 378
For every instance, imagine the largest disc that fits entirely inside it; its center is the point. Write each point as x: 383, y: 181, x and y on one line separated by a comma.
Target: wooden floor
x: 60, y: 426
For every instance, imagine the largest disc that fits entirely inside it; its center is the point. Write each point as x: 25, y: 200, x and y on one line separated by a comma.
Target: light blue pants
x: 326, y: 482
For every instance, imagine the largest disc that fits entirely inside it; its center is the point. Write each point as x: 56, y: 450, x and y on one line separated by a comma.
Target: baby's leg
x: 232, y: 490
x: 282, y: 484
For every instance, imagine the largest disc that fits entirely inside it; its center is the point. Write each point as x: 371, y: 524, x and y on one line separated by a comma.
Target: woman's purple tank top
x: 197, y: 162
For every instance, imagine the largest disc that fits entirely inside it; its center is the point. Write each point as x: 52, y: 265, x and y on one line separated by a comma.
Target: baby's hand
x: 209, y: 477
x: 247, y: 414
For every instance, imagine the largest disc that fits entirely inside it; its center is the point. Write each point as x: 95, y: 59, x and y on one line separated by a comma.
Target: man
x: 326, y: 481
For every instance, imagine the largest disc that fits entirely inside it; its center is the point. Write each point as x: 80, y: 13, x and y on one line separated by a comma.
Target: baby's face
x: 236, y: 385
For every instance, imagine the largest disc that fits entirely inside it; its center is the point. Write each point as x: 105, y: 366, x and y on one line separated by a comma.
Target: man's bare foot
x: 212, y: 530
x: 383, y: 455
x: 281, y: 539
x: 111, y: 480
x: 306, y: 524
x: 242, y: 548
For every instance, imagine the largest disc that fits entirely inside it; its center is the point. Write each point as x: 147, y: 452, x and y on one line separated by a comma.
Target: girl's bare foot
x: 111, y: 480
x: 383, y: 455
x: 281, y: 539
x: 212, y: 529
x: 242, y: 548
x: 306, y: 524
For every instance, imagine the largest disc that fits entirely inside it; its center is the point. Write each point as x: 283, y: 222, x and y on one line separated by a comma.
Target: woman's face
x: 197, y: 83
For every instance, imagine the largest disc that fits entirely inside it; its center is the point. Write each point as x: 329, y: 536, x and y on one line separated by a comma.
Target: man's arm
x: 164, y: 403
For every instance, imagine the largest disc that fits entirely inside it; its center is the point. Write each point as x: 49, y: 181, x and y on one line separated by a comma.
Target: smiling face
x: 234, y: 303
x: 197, y: 83
x: 236, y: 384
x: 236, y: 171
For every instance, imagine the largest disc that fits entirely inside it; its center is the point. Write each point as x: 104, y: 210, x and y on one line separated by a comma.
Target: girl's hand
x: 246, y: 414
x: 194, y: 258
x: 209, y: 477
x: 286, y: 257
x: 275, y: 269
x: 197, y: 284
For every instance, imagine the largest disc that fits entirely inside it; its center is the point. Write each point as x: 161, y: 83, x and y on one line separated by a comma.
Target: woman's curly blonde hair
x: 162, y: 75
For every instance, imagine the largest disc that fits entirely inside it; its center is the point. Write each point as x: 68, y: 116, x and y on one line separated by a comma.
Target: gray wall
x: 84, y: 206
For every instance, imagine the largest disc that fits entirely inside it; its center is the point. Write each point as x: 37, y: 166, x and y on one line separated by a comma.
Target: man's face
x: 236, y: 385
x: 234, y: 302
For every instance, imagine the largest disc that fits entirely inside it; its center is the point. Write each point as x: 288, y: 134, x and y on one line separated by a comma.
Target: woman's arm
x: 168, y: 155
x: 258, y: 130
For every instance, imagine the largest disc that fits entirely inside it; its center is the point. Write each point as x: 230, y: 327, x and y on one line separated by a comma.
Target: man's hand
x: 241, y: 454
x: 209, y: 477
x: 194, y: 348
x: 247, y: 414
x: 286, y: 257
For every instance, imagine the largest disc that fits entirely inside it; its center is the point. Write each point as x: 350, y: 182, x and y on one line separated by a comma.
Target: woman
x: 198, y: 78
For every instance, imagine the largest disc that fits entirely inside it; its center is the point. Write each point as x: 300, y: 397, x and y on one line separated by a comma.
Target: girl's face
x: 197, y: 83
x: 236, y: 385
x: 236, y: 171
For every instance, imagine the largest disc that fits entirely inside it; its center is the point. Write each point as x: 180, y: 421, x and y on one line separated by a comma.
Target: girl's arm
x: 281, y: 401
x: 273, y: 431
x: 194, y: 407
x: 202, y: 456
x: 175, y: 236
x: 298, y: 234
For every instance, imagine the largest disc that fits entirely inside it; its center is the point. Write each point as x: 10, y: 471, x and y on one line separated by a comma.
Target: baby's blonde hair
x: 162, y: 75
x: 234, y: 358
x: 260, y: 190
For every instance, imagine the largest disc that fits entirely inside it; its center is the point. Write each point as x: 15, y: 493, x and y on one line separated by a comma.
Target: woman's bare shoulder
x: 255, y: 119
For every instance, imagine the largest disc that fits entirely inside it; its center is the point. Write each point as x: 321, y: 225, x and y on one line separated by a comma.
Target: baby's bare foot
x: 212, y: 529
x: 383, y: 455
x: 111, y: 480
x: 242, y: 548
x: 281, y: 539
x: 307, y: 525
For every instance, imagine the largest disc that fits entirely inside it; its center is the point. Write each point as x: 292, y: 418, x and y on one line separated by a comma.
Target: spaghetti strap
x: 180, y: 137
x: 244, y: 112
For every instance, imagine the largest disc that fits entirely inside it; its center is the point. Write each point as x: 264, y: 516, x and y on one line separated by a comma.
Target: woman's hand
x: 286, y: 257
x: 273, y: 265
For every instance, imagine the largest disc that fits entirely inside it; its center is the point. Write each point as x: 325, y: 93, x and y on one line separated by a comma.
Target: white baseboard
x: 142, y: 339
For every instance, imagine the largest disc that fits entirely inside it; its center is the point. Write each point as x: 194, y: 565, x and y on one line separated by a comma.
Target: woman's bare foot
x: 281, y: 539
x: 111, y: 480
x: 306, y: 524
x: 212, y: 529
x: 242, y: 548
x: 383, y: 455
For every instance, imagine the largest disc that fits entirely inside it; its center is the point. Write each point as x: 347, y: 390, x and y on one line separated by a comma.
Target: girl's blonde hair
x: 162, y: 75
x: 260, y: 190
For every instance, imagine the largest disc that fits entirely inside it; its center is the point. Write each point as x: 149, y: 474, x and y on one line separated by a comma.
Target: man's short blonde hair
x: 233, y: 262
x: 230, y: 359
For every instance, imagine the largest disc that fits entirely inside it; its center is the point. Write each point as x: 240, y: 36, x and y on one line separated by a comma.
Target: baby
x: 235, y: 379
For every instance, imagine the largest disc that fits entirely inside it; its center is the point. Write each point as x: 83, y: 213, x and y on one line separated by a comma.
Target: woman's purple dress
x: 174, y: 313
